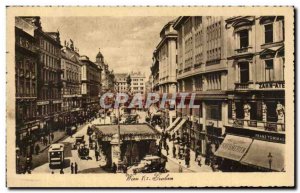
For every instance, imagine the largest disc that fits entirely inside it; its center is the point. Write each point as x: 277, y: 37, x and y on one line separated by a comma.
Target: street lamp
x: 119, y: 129
x: 270, y: 159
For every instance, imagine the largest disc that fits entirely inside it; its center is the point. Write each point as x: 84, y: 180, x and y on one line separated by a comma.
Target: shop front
x: 264, y: 153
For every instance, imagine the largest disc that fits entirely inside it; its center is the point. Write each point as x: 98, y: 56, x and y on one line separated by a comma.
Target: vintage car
x: 78, y: 140
x: 83, y: 151
x: 132, y: 118
x: 150, y: 164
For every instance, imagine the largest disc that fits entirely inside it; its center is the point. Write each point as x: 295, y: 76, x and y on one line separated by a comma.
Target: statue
x: 247, y: 108
x: 264, y: 112
x: 280, y: 116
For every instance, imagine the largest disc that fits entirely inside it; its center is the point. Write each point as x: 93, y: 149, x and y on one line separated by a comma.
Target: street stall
x: 135, y: 143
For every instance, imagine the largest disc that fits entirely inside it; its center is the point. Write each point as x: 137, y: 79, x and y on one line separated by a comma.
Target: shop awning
x: 173, y: 124
x: 179, y: 125
x: 258, y: 155
x: 233, y: 147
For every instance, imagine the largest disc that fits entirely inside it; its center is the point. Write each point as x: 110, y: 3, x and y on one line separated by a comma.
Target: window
x: 214, y: 111
x: 244, y: 72
x: 269, y: 33
x: 269, y: 70
x: 244, y: 38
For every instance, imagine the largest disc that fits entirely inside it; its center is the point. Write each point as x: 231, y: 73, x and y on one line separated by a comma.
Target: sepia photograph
x: 150, y: 97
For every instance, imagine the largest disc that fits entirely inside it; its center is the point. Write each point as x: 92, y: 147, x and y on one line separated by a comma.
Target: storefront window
x: 239, y: 110
x: 271, y: 111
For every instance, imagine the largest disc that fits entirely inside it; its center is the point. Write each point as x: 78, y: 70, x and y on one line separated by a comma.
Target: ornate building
x: 71, y: 78
x: 26, y: 60
x: 256, y: 89
x: 90, y: 86
x: 48, y: 76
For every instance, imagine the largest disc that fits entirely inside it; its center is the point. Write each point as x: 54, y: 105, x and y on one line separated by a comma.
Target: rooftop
x: 137, y: 129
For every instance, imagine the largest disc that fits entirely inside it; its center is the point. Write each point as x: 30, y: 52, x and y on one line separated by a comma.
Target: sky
x: 127, y: 43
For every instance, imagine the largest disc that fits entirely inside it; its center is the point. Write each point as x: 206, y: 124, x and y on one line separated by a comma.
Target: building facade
x: 121, y: 82
x: 167, y: 56
x: 202, y: 69
x: 107, y: 76
x: 71, y: 79
x: 236, y: 68
x: 26, y: 60
x: 155, y: 72
x: 49, y: 98
x: 138, y: 80
x: 256, y: 95
x: 90, y: 87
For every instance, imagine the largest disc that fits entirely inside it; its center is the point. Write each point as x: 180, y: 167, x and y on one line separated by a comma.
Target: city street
x: 84, y: 166
x: 41, y: 164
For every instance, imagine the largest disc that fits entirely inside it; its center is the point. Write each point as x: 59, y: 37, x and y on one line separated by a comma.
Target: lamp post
x: 119, y: 129
x: 270, y: 159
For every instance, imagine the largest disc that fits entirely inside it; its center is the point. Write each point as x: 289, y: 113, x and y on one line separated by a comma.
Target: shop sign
x: 261, y: 135
x: 268, y: 137
x: 271, y: 85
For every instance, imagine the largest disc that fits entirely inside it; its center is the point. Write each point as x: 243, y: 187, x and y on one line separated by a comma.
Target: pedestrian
x: 46, y: 141
x: 199, y: 160
x: 197, y: 153
x: 42, y: 139
x: 61, y: 171
x: 52, y: 136
x: 167, y: 149
x: 37, y: 149
x: 72, y: 168
x: 187, y: 160
x: 180, y: 168
x: 96, y: 154
x: 174, y: 151
x: 114, y: 168
x: 76, y: 168
x: 125, y: 168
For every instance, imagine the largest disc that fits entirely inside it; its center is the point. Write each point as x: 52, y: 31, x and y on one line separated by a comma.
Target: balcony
x: 187, y: 69
x: 243, y: 50
x: 242, y: 86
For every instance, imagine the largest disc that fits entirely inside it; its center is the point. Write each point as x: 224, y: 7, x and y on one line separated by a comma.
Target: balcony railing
x: 242, y: 86
x: 261, y: 125
x: 243, y: 50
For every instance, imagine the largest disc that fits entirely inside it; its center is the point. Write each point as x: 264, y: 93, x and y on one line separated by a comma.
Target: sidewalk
x: 193, y: 164
x: 58, y: 135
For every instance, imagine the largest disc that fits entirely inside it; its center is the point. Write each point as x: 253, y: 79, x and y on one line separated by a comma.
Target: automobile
x: 78, y: 140
x: 83, y: 151
x: 133, y: 118
x: 150, y: 164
